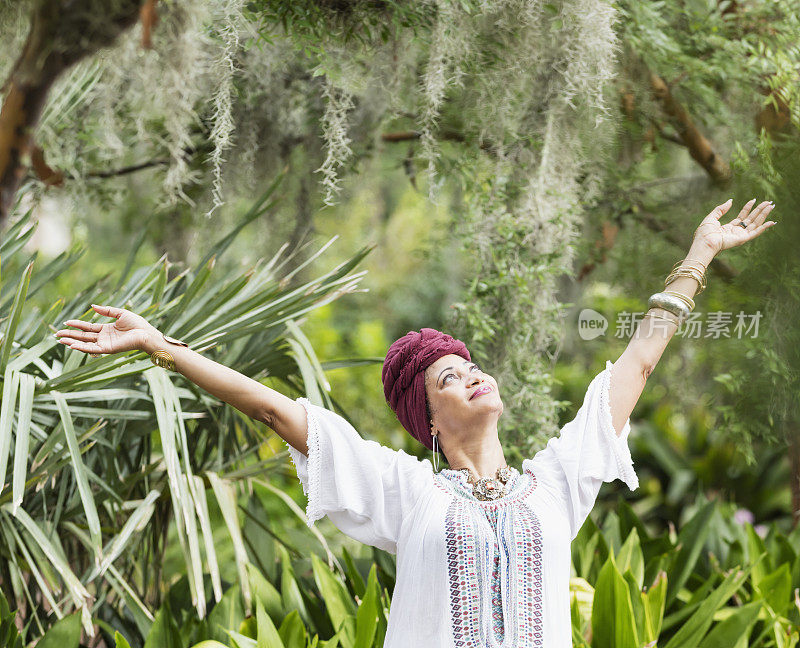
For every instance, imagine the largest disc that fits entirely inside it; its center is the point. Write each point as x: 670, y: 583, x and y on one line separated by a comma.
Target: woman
x: 483, y: 550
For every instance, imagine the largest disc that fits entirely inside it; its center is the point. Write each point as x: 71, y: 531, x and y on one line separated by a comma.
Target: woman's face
x: 460, y: 395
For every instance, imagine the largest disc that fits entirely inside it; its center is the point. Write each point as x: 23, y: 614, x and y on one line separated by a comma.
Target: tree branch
x: 61, y: 34
x: 700, y: 148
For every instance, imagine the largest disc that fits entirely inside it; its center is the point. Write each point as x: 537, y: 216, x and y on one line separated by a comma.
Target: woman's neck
x: 481, y: 462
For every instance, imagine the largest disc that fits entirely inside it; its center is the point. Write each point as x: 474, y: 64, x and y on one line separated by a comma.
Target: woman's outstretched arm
x: 130, y: 331
x: 644, y: 350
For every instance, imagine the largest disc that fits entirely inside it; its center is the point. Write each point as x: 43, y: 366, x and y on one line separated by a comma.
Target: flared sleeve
x: 586, y: 453
x: 365, y: 488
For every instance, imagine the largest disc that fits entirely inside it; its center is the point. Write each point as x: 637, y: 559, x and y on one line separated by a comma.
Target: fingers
x: 85, y: 336
x: 77, y: 345
x: 760, y: 228
x: 749, y: 217
x: 746, y: 209
x: 86, y: 326
x: 758, y: 216
x: 109, y: 311
x: 719, y: 210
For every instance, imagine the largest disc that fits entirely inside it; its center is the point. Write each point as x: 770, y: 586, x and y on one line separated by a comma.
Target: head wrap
x: 403, y: 376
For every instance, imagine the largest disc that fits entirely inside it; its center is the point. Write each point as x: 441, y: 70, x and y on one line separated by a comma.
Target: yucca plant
x: 98, y: 456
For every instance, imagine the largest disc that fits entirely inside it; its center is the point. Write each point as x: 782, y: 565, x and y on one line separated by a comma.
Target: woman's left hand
x: 721, y: 237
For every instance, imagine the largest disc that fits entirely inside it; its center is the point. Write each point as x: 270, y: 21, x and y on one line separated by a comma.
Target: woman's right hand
x: 129, y: 332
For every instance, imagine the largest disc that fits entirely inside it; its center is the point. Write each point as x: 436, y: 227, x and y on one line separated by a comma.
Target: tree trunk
x: 61, y: 33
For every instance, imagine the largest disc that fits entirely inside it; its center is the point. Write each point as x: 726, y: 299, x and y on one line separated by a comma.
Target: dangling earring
x: 435, y: 450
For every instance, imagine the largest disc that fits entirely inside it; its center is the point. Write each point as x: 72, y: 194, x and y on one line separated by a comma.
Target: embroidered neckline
x: 519, y: 486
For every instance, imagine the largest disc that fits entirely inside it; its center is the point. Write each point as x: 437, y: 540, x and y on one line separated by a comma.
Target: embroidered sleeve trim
x: 311, y: 486
x: 619, y: 444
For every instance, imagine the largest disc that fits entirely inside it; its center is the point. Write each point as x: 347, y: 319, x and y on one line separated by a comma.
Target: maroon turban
x: 403, y: 376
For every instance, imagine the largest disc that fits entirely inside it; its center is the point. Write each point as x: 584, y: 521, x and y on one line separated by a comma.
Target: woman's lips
x: 480, y: 391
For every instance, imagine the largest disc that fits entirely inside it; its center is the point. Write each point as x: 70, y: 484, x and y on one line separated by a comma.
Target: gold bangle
x: 688, y: 262
x: 163, y: 359
x: 684, y: 298
x: 688, y: 268
x: 693, y: 274
x: 666, y: 319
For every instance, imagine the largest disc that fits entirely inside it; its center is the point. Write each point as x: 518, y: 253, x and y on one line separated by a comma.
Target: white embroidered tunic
x: 470, y: 573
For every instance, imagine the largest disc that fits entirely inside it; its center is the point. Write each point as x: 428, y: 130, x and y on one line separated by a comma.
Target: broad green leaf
x: 339, y: 604
x: 692, y: 537
x: 64, y: 633
x: 612, y: 613
x: 755, y: 548
x: 265, y: 592
x: 22, y: 442
x: 690, y: 633
x: 630, y: 557
x: 240, y: 640
x: 268, y: 636
x: 354, y: 577
x: 290, y: 592
x: 120, y: 641
x: 367, y: 614
x: 776, y: 589
x: 654, y: 600
x: 736, y: 626
x: 164, y: 633
x: 228, y: 613
x: 292, y: 631
x: 637, y: 604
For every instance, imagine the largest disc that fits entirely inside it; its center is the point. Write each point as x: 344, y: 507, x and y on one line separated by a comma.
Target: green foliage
x: 693, y: 600
x: 109, y: 452
x: 635, y: 589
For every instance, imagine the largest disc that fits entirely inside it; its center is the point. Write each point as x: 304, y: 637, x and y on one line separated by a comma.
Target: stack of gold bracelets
x: 673, y: 301
x: 164, y: 359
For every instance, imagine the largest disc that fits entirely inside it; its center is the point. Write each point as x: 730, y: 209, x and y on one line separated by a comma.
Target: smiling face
x: 458, y: 397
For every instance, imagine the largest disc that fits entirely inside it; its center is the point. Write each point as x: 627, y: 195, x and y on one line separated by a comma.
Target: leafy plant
x: 99, y: 456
